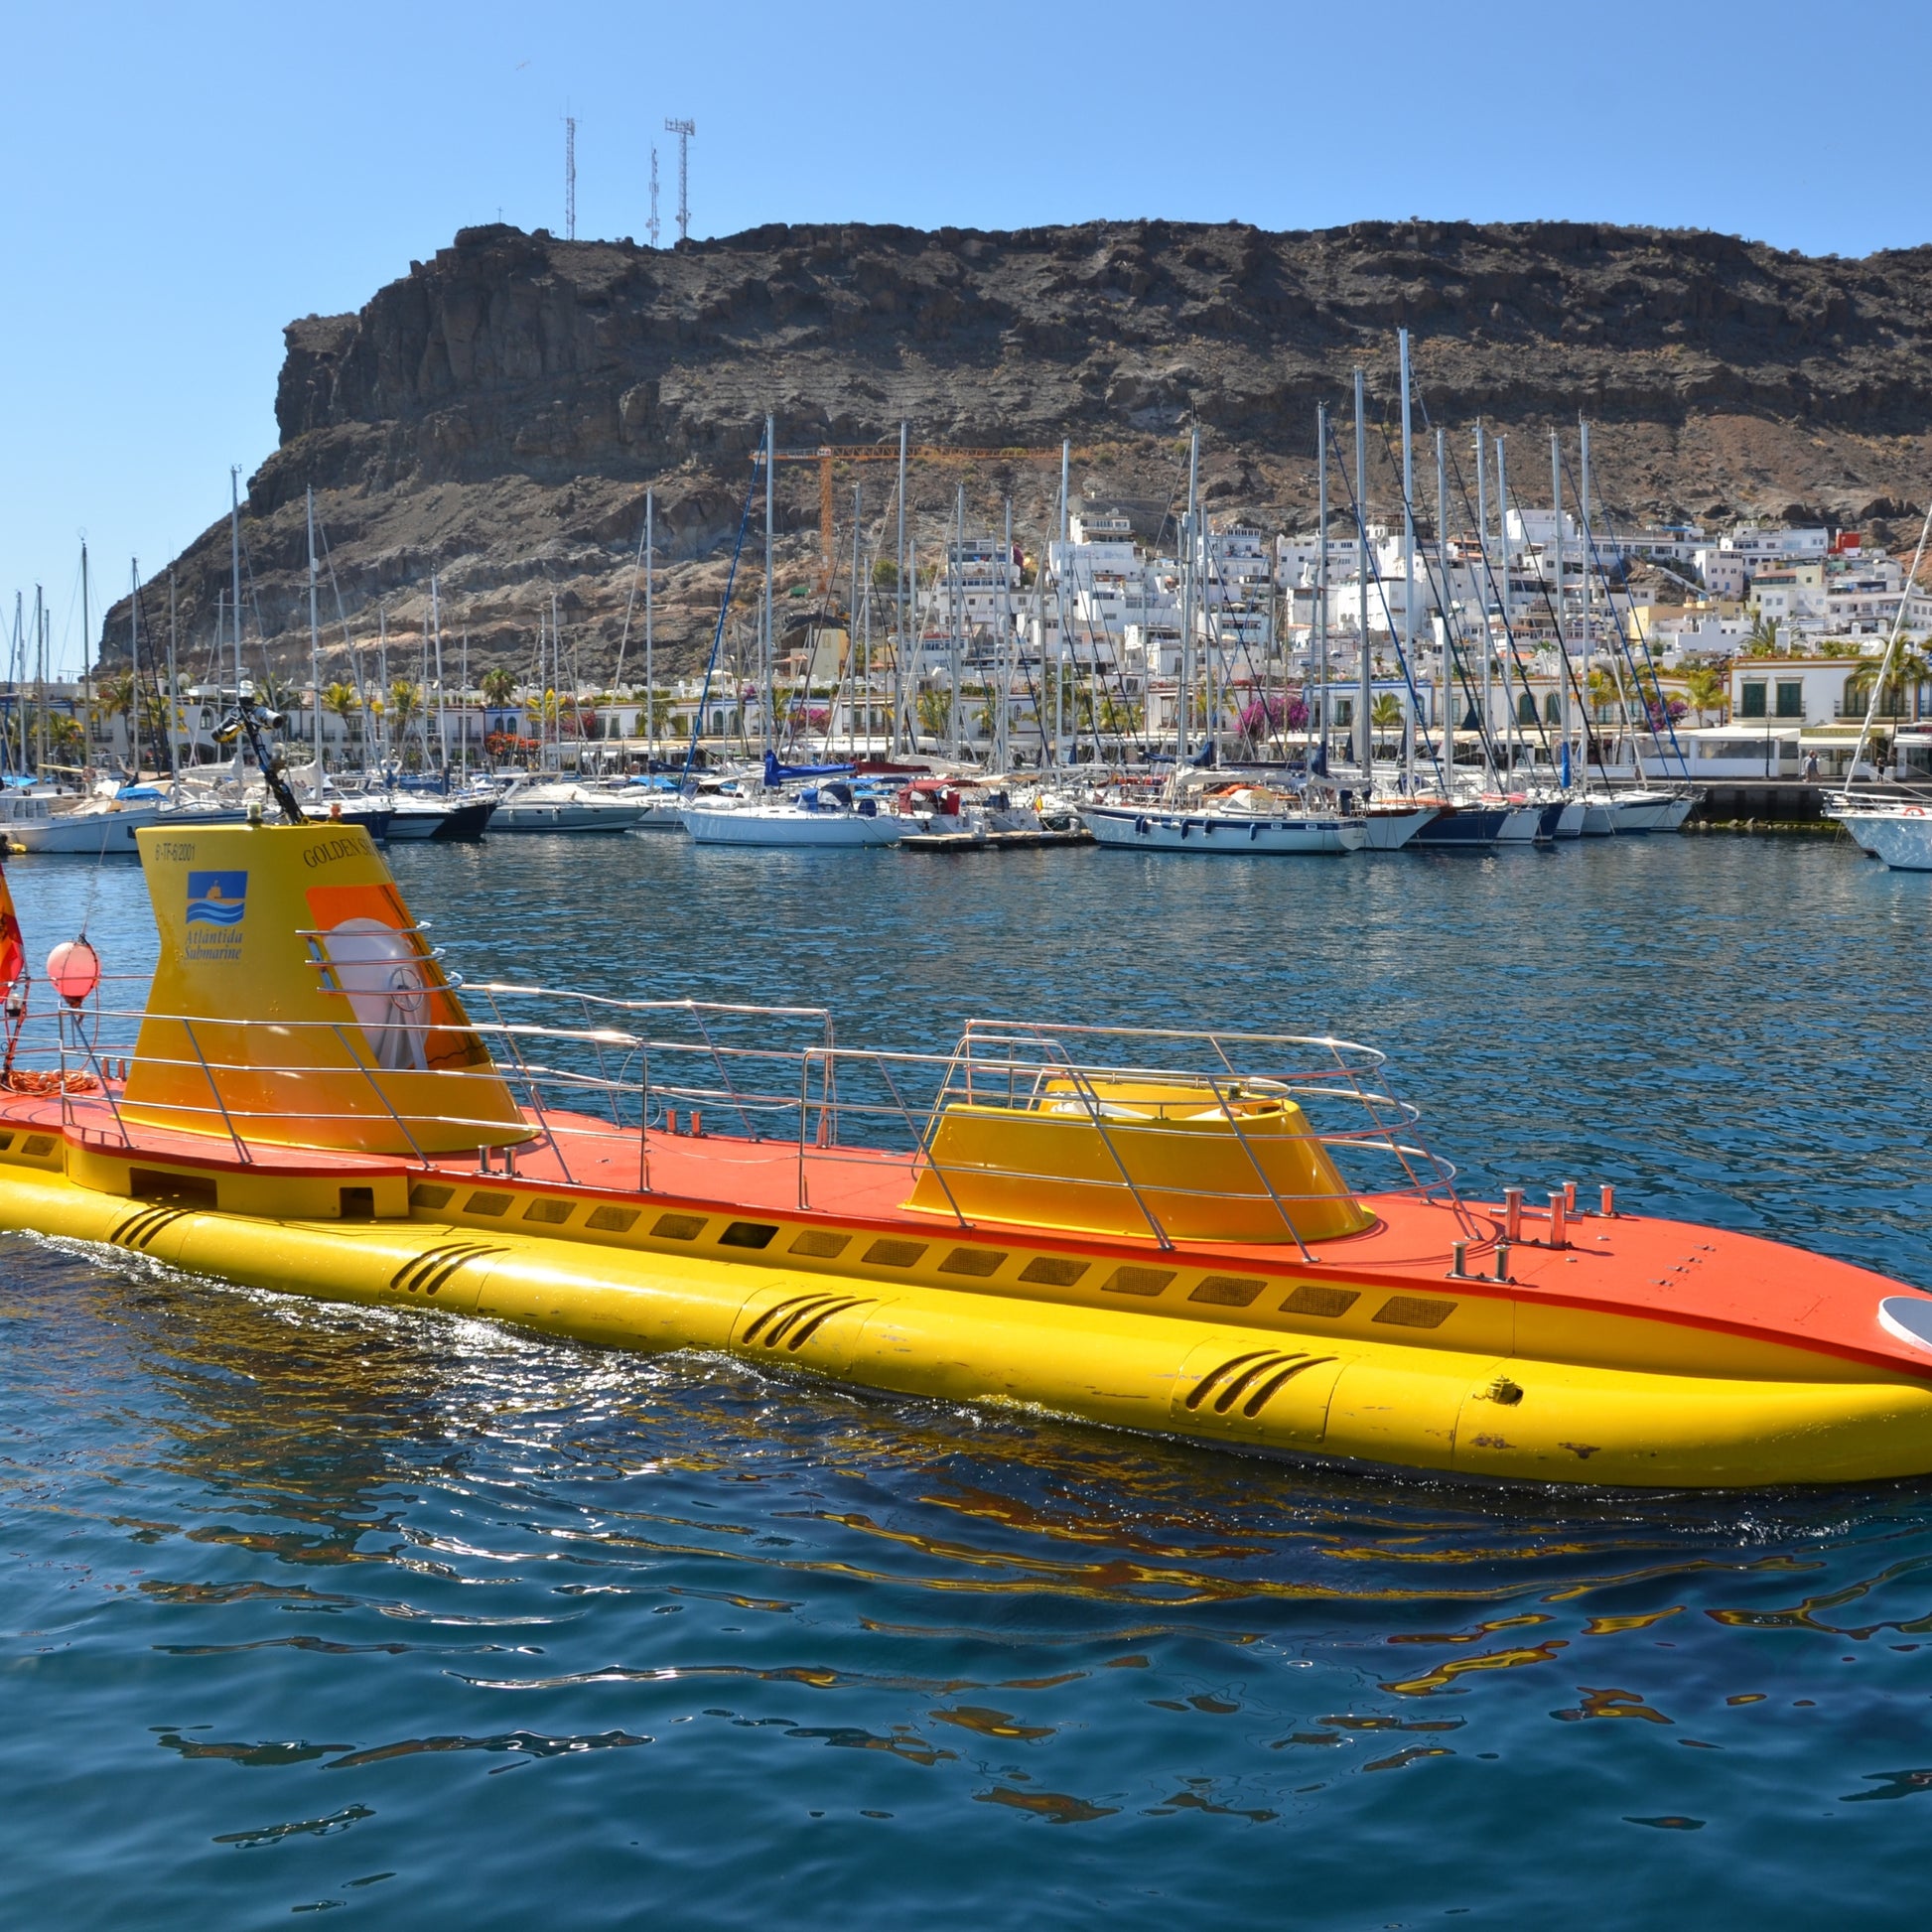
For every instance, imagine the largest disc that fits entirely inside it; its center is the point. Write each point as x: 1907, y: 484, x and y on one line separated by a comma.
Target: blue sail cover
x: 777, y: 774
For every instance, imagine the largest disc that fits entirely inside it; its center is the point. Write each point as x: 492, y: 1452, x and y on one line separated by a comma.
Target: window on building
x: 1344, y: 713
x: 1791, y: 698
x: 1753, y: 705
x: 1526, y: 709
x: 1552, y: 710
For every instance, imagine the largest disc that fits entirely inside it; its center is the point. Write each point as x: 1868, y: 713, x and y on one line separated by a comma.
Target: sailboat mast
x: 1583, y: 484
x: 1510, y: 637
x: 851, y: 678
x: 40, y: 681
x: 174, y: 685
x: 1555, y: 541
x: 1364, y: 743
x: 1410, y: 719
x: 314, y: 656
x: 1003, y: 668
x: 650, y: 658
x: 441, y: 710
x: 133, y: 665
x: 954, y: 652
x: 899, y: 587
x: 1322, y: 576
x: 1185, y: 706
x: 382, y: 673
x: 87, y: 660
x: 769, y: 648
x: 1482, y: 605
x: 1447, y: 733
x: 556, y: 679
x: 235, y: 565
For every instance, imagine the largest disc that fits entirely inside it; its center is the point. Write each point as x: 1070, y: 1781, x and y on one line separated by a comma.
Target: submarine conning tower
x: 297, y: 1001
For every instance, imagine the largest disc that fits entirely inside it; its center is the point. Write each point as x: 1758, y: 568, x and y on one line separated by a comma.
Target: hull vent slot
x: 1250, y: 1380
x: 429, y: 1272
x: 791, y: 1324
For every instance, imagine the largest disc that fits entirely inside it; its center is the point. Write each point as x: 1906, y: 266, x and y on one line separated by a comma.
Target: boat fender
x: 1140, y: 828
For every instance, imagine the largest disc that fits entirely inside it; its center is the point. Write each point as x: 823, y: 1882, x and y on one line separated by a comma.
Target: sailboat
x: 794, y: 805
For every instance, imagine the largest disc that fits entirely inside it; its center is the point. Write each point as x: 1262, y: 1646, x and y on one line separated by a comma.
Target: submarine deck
x: 1638, y: 1267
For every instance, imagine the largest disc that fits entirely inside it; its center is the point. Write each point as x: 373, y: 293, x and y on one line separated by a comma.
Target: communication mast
x: 684, y: 131
x: 570, y: 177
x: 651, y: 226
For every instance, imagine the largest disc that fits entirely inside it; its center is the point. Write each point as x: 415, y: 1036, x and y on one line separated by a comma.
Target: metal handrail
x: 993, y: 1062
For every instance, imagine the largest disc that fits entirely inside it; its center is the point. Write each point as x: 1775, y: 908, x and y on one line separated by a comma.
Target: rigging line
x: 1459, y: 665
x: 348, y: 643
x: 1516, y: 657
x: 262, y: 625
x: 718, y: 636
x: 1402, y: 656
x: 1643, y: 630
x: 1567, y: 670
x: 629, y: 605
x: 1515, y: 649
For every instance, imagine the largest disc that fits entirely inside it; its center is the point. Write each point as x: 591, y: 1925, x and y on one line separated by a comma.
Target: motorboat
x: 95, y: 826
x: 1243, y: 1240
x: 564, y: 805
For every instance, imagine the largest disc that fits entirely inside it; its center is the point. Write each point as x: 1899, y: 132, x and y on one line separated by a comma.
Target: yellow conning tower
x: 296, y: 1002
x: 1201, y: 1161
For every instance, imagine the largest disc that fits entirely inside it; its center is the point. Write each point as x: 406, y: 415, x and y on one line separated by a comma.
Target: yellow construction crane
x: 828, y: 453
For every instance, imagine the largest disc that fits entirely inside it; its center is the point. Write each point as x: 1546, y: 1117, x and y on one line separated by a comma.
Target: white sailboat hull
x: 790, y: 825
x: 1901, y: 839
x: 1226, y: 834
x: 1390, y: 831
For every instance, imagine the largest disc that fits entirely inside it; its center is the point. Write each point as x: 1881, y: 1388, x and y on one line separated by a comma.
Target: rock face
x: 497, y: 413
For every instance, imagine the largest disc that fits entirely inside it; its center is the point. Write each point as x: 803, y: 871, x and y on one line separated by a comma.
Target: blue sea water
x: 310, y: 1609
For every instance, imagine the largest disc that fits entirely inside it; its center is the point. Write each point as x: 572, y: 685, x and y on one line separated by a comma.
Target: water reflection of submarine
x: 380, y: 971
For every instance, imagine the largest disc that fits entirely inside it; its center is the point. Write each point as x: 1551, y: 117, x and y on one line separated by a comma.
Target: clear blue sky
x: 182, y: 181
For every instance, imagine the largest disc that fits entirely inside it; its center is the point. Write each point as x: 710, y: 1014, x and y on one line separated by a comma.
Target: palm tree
x: 1603, y: 693
x: 936, y: 709
x: 1909, y: 670
x: 1708, y: 689
x: 405, y: 700
x: 499, y: 687
x: 1385, y: 713
x: 1762, y: 639
x: 342, y: 699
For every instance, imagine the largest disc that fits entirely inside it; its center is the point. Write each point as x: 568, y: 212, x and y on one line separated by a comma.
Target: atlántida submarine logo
x: 217, y: 897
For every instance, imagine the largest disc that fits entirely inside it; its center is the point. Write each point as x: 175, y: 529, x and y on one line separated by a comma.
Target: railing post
x: 384, y: 1097
x: 1093, y: 1107
x: 188, y: 1026
x: 1261, y: 1173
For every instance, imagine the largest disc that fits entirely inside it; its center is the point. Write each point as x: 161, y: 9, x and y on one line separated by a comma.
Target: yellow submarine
x: 1151, y: 1230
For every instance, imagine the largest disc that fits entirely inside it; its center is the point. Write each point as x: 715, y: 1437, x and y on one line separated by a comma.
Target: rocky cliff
x: 496, y: 414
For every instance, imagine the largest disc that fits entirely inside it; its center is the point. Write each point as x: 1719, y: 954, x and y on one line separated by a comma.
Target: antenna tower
x: 570, y: 177
x: 684, y: 131
x: 651, y: 226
